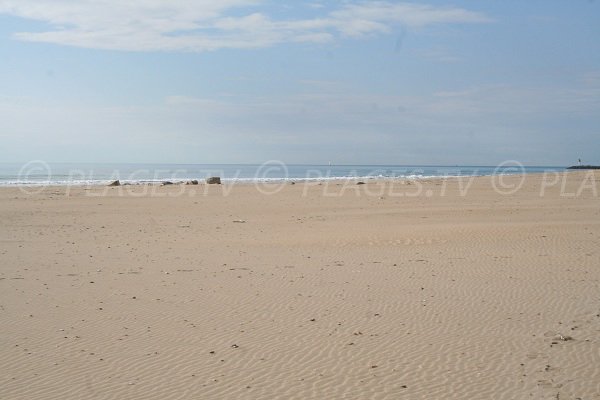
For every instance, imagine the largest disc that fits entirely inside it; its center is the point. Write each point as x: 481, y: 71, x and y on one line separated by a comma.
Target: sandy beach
x: 442, y: 289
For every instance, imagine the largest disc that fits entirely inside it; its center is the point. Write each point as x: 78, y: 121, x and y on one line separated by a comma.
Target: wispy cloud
x: 204, y: 25
x: 324, y: 120
x: 438, y: 55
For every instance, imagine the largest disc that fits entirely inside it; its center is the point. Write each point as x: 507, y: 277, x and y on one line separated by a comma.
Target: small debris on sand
x: 564, y: 338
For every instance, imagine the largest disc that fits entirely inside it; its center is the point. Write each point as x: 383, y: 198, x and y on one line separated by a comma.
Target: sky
x: 308, y: 82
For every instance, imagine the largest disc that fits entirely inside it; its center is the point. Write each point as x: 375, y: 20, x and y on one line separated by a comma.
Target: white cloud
x: 203, y: 25
x: 410, y: 14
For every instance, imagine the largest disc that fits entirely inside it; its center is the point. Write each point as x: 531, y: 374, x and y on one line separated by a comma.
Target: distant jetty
x: 584, y: 167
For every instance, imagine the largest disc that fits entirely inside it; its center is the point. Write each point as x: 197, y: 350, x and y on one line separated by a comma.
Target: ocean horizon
x: 36, y: 173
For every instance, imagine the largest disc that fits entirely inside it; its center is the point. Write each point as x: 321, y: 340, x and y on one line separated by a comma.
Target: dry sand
x: 316, y: 292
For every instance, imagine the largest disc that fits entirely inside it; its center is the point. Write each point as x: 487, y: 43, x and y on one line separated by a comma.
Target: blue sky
x: 352, y: 82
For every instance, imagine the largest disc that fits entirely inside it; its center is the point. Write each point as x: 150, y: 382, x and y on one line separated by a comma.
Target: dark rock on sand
x: 360, y: 183
x: 115, y: 183
x: 167, y: 183
x: 213, y: 180
x: 192, y: 182
x: 564, y: 338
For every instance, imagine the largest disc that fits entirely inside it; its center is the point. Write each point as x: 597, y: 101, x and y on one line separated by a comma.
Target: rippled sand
x: 338, y: 291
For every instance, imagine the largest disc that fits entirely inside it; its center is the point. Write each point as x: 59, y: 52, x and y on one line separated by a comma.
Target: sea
x: 40, y: 173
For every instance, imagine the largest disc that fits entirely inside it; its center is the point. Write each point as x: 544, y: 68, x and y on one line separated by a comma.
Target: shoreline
x: 278, y: 181
x: 36, y: 173
x: 568, y: 184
